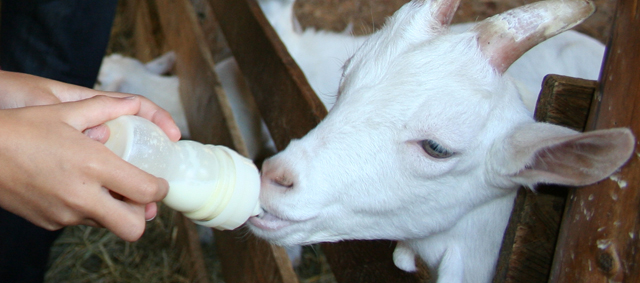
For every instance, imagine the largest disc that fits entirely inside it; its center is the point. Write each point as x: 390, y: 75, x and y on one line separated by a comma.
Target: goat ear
x: 162, y: 64
x: 544, y: 153
x: 505, y: 37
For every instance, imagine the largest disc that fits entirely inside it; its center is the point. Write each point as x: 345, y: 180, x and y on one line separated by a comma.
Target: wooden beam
x: 599, y: 236
x: 369, y: 261
x: 530, y: 238
x: 244, y: 258
x: 147, y: 46
x: 190, y: 250
x: 285, y: 99
x: 206, y: 106
x: 565, y: 101
x: 146, y: 43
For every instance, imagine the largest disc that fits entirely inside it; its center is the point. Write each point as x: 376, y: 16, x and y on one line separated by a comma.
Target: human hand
x: 54, y: 175
x: 21, y: 90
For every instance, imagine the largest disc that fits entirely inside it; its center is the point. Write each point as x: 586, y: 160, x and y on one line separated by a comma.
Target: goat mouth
x: 269, y: 222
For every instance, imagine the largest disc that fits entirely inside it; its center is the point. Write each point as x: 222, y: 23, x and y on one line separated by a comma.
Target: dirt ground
x: 95, y: 255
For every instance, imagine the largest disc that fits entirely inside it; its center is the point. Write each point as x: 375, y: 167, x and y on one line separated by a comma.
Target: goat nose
x: 282, y: 181
x: 275, y: 175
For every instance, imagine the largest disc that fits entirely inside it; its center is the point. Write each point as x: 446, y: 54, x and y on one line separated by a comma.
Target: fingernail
x: 151, y: 219
x: 130, y: 97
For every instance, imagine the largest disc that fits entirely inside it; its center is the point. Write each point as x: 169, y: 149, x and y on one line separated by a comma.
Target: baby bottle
x: 212, y: 185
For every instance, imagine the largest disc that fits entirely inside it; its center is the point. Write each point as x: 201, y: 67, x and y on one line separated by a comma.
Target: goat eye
x: 435, y: 150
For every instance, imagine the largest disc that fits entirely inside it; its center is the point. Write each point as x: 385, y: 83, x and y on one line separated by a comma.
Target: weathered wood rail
x: 530, y: 238
x: 603, y: 247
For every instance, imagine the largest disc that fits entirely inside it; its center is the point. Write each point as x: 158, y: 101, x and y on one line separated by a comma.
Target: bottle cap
x: 238, y: 199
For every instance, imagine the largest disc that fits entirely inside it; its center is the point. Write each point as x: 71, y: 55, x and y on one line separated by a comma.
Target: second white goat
x: 124, y: 74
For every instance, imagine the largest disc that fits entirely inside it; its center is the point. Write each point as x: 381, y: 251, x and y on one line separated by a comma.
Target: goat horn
x: 444, y: 10
x: 505, y: 37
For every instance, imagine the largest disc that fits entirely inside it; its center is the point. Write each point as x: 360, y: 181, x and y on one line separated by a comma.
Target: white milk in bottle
x: 212, y: 185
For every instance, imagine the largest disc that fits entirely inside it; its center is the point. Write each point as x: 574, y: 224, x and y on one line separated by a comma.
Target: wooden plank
x: 211, y: 30
x: 565, y: 101
x: 291, y: 109
x: 146, y: 43
x: 206, y: 106
x: 599, y: 236
x: 285, y: 99
x: 369, y: 261
x: 244, y: 259
x: 148, y: 46
x: 529, y: 242
x: 190, y: 250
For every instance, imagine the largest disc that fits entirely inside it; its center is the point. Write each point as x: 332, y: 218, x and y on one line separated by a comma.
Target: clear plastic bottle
x: 212, y: 185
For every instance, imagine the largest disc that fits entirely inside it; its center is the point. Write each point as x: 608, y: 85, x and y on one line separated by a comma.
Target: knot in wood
x: 606, y: 262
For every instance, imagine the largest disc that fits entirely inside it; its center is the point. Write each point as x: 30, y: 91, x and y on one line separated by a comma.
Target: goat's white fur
x: 362, y: 173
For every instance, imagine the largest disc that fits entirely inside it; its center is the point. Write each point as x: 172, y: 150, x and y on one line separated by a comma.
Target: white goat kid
x: 428, y: 142
x: 128, y: 75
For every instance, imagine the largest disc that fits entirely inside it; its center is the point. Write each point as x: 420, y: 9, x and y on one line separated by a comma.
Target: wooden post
x: 598, y: 239
x: 530, y: 238
x: 146, y: 47
x: 286, y: 101
x: 190, y: 250
x: 244, y: 258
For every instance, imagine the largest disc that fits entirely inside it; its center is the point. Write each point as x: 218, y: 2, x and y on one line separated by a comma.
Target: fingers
x: 137, y: 190
x: 90, y: 222
x: 123, y: 218
x: 69, y: 93
x: 163, y: 119
x: 150, y: 211
x: 98, y: 133
x: 100, y: 109
x: 94, y: 111
x: 132, y: 183
x: 116, y: 174
x: 155, y: 114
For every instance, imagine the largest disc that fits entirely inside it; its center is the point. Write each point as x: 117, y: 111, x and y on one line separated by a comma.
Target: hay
x: 87, y: 254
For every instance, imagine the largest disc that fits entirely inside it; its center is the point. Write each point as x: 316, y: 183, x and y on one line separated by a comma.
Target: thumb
x: 91, y: 112
x: 98, y: 133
